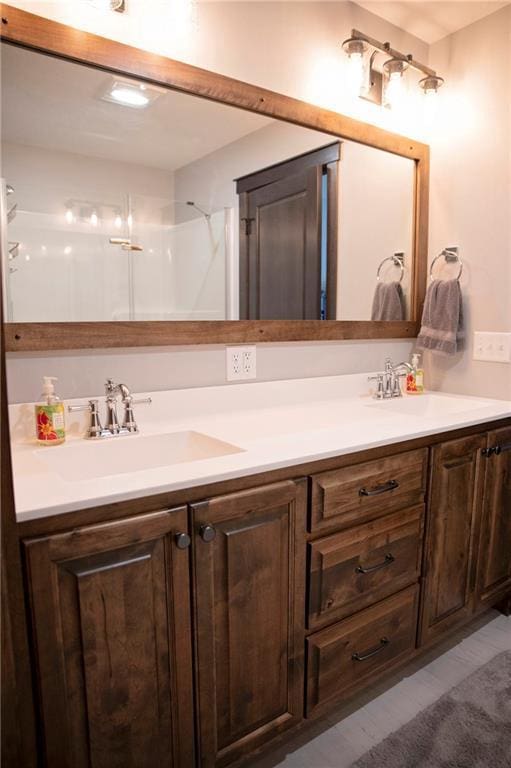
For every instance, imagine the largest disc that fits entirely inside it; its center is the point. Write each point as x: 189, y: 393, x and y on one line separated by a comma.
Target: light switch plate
x: 492, y: 346
x: 240, y: 363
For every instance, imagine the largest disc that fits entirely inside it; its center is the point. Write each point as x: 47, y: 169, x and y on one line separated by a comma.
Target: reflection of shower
x: 194, y: 205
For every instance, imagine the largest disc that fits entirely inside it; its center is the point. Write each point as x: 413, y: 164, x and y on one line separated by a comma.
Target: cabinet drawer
x: 361, y: 492
x: 347, y: 656
x: 358, y: 567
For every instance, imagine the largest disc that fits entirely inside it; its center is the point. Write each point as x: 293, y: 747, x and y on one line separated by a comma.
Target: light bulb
x: 69, y: 216
x: 94, y: 219
x: 430, y: 86
x: 430, y: 107
x: 356, y: 70
x: 67, y: 250
x: 355, y: 48
x: 106, y: 5
x: 130, y: 97
x: 394, y: 90
x: 394, y: 85
x: 130, y: 220
x: 118, y: 222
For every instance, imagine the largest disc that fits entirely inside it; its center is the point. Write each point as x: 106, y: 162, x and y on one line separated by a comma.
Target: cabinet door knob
x: 182, y: 540
x: 488, y: 452
x: 207, y: 532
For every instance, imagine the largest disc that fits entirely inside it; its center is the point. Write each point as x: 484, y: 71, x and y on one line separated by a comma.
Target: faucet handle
x: 129, y: 422
x: 95, y: 429
x: 380, y: 391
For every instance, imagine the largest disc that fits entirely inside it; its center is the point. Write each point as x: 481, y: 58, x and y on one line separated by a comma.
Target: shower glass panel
x: 64, y: 268
x: 123, y: 260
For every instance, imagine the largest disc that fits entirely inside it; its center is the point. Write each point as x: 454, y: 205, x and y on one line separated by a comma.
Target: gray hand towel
x: 388, y: 302
x: 442, y: 318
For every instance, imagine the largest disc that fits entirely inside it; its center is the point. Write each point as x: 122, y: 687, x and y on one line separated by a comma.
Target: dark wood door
x: 280, y: 231
x: 494, y: 578
x: 111, y: 622
x: 249, y: 552
x: 455, y: 499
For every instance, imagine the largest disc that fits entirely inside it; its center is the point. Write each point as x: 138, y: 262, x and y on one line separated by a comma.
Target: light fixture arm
x: 395, y: 54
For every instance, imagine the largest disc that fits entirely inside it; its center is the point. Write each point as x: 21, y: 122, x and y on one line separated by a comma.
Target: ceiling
x: 71, y: 116
x: 431, y: 21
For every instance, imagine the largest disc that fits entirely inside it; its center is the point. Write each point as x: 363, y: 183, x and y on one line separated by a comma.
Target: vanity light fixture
x: 385, y: 86
x: 128, y: 93
x: 69, y: 216
x: 94, y: 219
x: 118, y: 222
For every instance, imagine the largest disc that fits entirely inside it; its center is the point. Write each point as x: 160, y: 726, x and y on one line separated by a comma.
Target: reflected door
x: 287, y: 247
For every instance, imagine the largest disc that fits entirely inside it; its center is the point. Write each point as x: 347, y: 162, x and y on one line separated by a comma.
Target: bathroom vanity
x: 199, y: 622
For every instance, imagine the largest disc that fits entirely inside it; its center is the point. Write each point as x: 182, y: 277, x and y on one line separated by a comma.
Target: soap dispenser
x: 49, y: 415
x: 415, y: 379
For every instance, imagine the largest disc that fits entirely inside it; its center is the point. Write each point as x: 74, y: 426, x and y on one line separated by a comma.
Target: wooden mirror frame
x: 39, y: 34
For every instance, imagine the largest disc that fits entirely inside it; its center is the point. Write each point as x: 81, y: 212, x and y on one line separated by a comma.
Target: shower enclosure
x: 135, y: 258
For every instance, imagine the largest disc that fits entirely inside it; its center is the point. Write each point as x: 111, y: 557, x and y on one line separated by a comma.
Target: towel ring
x: 450, y: 255
x: 398, y: 261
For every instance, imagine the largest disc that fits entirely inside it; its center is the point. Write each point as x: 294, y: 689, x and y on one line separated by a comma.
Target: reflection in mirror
x: 133, y: 202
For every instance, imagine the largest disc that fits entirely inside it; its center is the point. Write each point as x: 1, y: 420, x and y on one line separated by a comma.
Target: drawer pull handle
x: 372, y: 568
x: 363, y: 656
x: 502, y: 449
x: 390, y: 486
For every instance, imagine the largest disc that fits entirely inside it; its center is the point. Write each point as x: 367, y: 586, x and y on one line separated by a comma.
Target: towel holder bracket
x: 398, y: 259
x: 451, y: 255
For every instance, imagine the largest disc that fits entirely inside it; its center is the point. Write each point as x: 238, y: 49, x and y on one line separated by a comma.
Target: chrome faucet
x: 388, y: 384
x: 112, y: 427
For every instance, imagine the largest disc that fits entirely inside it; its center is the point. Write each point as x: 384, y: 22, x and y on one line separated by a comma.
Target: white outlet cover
x: 240, y: 363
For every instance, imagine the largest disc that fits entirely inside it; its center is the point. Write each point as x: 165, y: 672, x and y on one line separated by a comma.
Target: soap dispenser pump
x: 49, y: 415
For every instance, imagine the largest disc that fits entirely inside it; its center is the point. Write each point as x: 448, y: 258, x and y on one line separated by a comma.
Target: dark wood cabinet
x: 111, y: 622
x: 151, y: 653
x: 455, y: 500
x: 494, y: 572
x: 249, y: 572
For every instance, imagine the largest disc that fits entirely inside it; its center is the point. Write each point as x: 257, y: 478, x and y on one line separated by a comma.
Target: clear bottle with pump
x: 49, y: 415
x: 415, y: 379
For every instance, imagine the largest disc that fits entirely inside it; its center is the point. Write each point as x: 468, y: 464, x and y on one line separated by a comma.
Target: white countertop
x: 271, y: 424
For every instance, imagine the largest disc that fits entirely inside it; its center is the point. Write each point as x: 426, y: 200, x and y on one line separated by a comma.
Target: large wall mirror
x: 125, y: 201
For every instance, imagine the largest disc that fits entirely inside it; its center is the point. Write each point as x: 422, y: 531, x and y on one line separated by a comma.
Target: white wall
x: 376, y: 211
x: 471, y: 192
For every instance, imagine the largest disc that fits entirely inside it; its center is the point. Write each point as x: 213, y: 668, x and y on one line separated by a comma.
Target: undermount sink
x: 92, y: 459
x: 429, y: 406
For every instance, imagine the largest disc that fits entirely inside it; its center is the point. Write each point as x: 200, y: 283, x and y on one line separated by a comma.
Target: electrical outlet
x: 240, y: 363
x: 492, y: 347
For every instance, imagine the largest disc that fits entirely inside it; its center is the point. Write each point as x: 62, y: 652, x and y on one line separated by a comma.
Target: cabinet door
x: 111, y: 622
x: 455, y: 497
x: 249, y: 567
x: 494, y: 578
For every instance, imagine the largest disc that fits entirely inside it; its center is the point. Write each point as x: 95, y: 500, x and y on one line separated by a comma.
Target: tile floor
x: 336, y: 743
